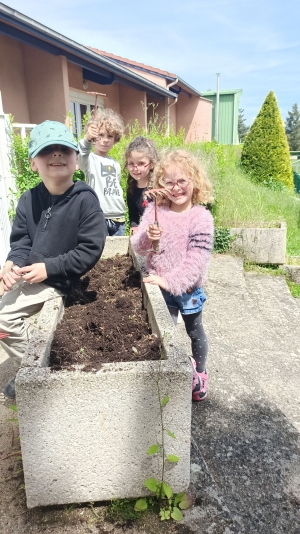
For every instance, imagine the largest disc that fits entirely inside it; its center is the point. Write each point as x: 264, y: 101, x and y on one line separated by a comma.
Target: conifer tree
x: 265, y: 154
x: 293, y: 128
x: 242, y: 127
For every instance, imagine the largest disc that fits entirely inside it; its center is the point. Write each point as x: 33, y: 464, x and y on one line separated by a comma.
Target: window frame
x: 81, y: 98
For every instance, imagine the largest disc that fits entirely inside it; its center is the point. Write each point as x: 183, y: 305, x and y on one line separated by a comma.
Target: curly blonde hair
x: 190, y: 165
x: 110, y: 120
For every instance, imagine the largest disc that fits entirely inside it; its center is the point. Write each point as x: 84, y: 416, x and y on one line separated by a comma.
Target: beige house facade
x: 44, y: 75
x: 190, y: 110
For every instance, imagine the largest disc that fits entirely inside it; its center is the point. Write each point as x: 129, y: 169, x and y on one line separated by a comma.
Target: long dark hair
x: 147, y: 147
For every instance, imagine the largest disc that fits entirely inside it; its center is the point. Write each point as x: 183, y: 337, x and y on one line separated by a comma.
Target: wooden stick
x: 96, y: 97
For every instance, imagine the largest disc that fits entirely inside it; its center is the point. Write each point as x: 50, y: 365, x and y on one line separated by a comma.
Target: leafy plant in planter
x: 170, y: 505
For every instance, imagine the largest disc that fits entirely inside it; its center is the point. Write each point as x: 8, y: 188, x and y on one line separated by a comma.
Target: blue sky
x: 254, y: 45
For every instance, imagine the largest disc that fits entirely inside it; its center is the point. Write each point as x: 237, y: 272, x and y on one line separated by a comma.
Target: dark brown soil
x: 104, y: 320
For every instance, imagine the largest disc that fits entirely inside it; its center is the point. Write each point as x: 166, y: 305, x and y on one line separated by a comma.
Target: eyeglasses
x: 182, y: 184
x: 131, y: 166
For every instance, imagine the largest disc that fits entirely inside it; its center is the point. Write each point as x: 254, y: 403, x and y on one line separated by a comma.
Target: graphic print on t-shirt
x: 109, y: 173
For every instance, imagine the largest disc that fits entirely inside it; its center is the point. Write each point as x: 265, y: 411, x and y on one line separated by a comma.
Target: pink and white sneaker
x: 199, y: 384
x: 201, y: 393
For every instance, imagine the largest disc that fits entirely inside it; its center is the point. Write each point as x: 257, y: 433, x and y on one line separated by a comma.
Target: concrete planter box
x: 293, y: 272
x: 260, y: 245
x: 84, y: 435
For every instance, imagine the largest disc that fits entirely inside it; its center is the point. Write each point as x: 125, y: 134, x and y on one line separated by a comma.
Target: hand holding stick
x: 96, y: 97
x: 95, y: 106
x: 154, y: 193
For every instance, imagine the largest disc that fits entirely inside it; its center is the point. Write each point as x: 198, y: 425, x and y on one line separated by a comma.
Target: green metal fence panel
x: 297, y: 182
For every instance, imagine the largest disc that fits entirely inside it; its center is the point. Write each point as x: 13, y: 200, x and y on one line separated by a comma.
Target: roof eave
x: 188, y: 87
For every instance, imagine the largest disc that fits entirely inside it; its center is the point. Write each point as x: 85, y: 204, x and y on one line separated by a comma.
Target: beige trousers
x: 22, y: 301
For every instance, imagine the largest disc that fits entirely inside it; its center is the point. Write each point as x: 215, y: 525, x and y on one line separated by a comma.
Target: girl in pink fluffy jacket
x: 178, y: 249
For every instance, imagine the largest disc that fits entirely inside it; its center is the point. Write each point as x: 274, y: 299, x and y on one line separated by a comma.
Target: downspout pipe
x: 170, y: 105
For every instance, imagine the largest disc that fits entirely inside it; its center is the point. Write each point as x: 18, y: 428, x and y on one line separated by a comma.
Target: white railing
x: 24, y: 129
x: 7, y: 181
x: 7, y: 185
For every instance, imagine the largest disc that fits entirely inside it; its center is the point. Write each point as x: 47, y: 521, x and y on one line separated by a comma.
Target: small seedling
x: 170, y: 505
x: 13, y: 419
x: 123, y: 510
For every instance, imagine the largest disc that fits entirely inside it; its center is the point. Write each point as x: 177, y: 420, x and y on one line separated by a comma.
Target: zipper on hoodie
x: 48, y: 216
x: 48, y: 212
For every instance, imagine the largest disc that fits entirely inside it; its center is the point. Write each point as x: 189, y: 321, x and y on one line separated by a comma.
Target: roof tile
x: 133, y: 63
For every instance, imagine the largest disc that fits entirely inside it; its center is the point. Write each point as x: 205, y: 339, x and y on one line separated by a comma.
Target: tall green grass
x: 242, y: 203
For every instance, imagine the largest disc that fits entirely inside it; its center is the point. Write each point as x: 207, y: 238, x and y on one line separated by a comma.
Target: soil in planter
x: 104, y: 320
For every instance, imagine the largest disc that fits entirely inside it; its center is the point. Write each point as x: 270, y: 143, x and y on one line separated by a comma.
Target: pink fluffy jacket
x: 184, y: 249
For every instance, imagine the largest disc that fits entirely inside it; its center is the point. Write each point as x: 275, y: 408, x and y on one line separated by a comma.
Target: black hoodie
x: 66, y: 232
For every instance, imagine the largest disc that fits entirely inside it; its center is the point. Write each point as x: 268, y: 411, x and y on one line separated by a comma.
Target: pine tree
x: 242, y: 128
x: 265, y: 152
x: 293, y: 128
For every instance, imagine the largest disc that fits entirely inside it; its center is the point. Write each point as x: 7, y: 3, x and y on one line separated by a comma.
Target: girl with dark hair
x: 141, y: 157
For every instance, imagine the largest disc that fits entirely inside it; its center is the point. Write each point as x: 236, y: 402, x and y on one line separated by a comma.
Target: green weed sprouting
x: 15, y: 420
x: 170, y: 504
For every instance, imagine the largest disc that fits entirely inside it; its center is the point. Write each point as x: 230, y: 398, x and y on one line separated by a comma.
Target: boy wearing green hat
x: 57, y: 236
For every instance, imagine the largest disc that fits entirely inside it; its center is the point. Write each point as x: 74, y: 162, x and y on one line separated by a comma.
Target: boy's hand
x: 154, y: 232
x: 92, y: 133
x: 33, y: 274
x: 8, y: 276
x: 156, y: 280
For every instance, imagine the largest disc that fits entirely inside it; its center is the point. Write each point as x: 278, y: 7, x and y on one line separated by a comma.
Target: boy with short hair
x: 57, y: 236
x: 102, y: 172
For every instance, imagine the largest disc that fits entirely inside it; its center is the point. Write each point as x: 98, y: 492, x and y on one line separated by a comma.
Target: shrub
x: 222, y: 240
x: 20, y: 165
x: 265, y: 154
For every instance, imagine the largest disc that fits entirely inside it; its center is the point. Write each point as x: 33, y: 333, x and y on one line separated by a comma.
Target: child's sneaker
x: 199, y: 388
x: 200, y: 394
x: 9, y: 389
x: 196, y: 382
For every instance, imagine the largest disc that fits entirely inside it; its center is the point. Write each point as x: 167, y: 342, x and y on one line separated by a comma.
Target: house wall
x: 111, y: 91
x: 47, y: 85
x: 205, y: 108
x: 194, y: 115
x: 156, y: 108
x: 133, y: 105
x: 173, y: 115
x: 12, y: 79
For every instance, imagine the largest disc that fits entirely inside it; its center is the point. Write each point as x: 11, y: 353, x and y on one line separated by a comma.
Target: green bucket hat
x: 50, y: 133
